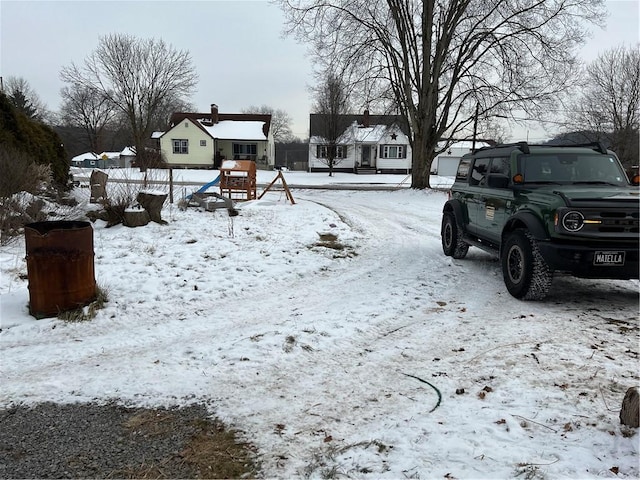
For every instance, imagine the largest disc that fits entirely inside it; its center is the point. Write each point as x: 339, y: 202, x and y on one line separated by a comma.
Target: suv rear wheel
x: 452, y: 243
x: 526, y: 274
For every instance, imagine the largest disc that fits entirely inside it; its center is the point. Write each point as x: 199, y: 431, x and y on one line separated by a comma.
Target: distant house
x: 127, y: 157
x: 111, y: 159
x: 369, y: 144
x: 204, y: 140
x: 88, y: 160
x: 446, y: 163
x: 122, y: 159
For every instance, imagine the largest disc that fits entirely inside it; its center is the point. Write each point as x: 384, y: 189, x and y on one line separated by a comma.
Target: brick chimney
x: 214, y: 113
x: 365, y: 118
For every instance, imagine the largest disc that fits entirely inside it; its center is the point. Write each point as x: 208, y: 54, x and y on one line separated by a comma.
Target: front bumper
x: 578, y: 260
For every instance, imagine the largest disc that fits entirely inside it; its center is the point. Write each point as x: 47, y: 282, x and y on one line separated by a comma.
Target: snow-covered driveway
x: 381, y: 359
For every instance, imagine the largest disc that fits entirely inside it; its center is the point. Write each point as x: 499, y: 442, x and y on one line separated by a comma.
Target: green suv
x: 545, y: 209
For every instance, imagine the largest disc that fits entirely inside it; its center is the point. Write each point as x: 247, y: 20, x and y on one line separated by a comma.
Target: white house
x: 369, y: 144
x: 204, y: 140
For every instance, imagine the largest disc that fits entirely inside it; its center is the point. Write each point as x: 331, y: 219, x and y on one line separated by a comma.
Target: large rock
x: 630, y: 411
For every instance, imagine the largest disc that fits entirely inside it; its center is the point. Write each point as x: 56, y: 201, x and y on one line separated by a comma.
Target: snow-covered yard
x: 369, y: 356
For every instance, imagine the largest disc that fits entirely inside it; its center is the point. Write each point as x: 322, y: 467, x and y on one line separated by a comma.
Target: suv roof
x: 525, y: 148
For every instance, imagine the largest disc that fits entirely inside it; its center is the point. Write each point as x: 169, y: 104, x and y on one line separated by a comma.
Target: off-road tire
x: 526, y: 275
x: 452, y: 243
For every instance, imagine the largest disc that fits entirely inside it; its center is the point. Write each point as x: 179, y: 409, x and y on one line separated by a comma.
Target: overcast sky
x: 236, y: 46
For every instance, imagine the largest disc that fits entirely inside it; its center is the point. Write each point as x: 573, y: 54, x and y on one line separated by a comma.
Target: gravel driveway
x: 111, y: 441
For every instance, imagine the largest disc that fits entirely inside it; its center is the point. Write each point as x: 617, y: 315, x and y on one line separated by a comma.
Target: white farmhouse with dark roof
x: 368, y: 144
x: 204, y: 140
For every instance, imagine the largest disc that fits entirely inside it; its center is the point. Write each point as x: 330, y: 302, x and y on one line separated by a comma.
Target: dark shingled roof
x: 206, y: 118
x: 316, y: 122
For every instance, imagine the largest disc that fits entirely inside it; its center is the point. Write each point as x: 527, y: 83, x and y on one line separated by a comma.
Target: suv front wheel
x: 526, y: 274
x: 452, y: 243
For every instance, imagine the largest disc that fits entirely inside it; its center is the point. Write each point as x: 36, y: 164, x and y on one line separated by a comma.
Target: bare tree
x: 160, y: 119
x: 609, y: 107
x: 441, y: 61
x: 331, y: 106
x: 89, y: 109
x: 280, y: 121
x: 24, y: 98
x: 167, y: 108
x: 138, y: 77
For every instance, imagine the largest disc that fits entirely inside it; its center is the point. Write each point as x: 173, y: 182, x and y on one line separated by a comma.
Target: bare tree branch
x: 331, y: 105
x: 436, y: 61
x: 280, y: 121
x: 608, y: 107
x: 139, y: 77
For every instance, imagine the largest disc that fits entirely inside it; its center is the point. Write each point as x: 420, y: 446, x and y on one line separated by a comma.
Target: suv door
x: 475, y: 199
x: 495, y: 200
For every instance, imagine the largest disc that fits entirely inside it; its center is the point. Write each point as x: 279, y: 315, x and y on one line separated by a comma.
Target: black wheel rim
x: 448, y: 235
x: 515, y: 264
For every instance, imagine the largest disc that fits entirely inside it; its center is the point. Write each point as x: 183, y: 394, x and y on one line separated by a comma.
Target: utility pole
x: 475, y: 127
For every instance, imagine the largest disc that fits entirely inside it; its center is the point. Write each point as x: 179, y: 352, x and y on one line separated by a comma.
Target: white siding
x: 315, y: 162
x: 198, y: 156
x: 354, y: 152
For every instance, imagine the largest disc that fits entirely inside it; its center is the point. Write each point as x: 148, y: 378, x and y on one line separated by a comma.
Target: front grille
x: 611, y: 221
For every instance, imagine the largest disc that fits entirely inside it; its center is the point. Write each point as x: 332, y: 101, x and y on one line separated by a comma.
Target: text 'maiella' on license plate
x: 608, y: 258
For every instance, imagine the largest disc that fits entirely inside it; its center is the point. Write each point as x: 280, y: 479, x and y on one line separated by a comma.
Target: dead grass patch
x: 149, y: 422
x: 215, y: 452
x: 88, y: 312
x: 330, y: 240
x: 211, y: 452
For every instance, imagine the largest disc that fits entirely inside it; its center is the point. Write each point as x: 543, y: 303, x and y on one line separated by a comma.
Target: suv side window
x: 463, y: 169
x: 501, y: 165
x: 479, y: 171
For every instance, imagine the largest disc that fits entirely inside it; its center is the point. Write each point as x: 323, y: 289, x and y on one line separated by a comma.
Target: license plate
x: 608, y: 259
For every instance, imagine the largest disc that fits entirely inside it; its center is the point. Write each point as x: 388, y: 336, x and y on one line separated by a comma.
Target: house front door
x: 366, y: 156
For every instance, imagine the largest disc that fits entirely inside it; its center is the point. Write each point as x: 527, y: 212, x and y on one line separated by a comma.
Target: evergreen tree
x: 39, y: 141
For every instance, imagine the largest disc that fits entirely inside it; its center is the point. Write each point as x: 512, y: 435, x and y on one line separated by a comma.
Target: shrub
x: 21, y: 180
x: 20, y: 173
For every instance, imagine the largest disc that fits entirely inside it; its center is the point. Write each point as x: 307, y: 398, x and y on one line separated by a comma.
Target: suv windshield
x: 572, y: 168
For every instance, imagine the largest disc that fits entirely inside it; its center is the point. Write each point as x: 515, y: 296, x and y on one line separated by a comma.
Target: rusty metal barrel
x: 59, y: 266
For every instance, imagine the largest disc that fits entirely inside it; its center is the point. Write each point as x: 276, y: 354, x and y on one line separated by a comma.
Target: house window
x: 180, y: 146
x: 322, y: 151
x: 245, y: 151
x: 203, y: 143
x: 393, y: 151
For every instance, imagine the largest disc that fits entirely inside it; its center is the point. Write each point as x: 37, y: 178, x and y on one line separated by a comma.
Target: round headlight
x: 573, y: 221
